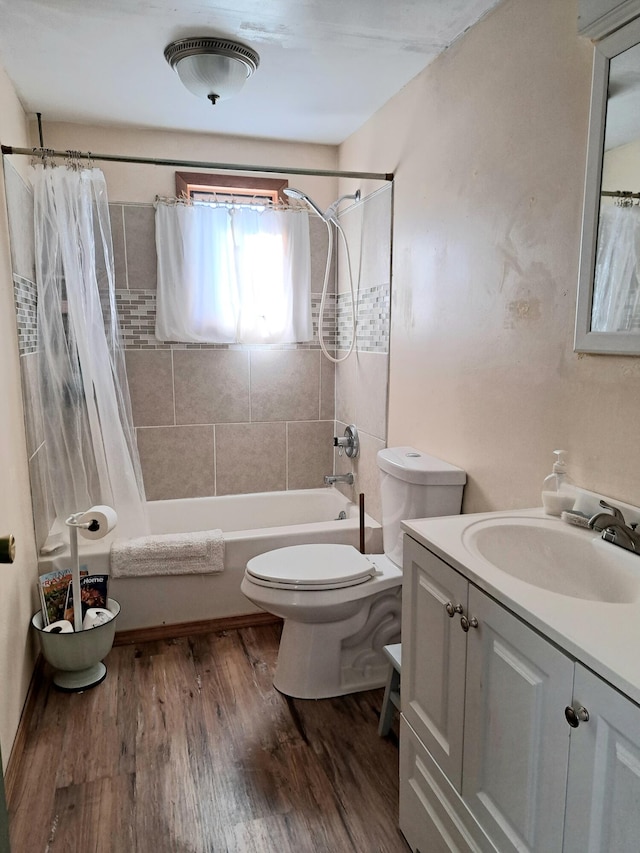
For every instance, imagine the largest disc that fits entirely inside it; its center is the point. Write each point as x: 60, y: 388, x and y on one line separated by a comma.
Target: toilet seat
x: 311, y: 567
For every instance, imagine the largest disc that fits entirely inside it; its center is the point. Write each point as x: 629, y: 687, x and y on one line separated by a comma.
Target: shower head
x: 330, y: 213
x: 292, y: 192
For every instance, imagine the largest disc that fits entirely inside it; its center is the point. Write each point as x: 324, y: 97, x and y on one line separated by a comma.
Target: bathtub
x: 252, y: 524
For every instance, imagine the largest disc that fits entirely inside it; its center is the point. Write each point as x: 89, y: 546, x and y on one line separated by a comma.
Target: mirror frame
x: 612, y: 343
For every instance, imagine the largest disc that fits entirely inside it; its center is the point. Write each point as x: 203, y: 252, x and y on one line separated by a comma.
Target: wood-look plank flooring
x: 186, y: 747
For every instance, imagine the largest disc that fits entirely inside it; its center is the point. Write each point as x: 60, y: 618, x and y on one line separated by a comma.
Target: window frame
x: 242, y: 186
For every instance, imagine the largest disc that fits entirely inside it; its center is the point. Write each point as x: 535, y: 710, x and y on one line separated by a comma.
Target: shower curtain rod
x: 198, y: 164
x: 620, y: 193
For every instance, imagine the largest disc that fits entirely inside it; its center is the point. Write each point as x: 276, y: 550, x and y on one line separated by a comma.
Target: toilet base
x: 321, y: 660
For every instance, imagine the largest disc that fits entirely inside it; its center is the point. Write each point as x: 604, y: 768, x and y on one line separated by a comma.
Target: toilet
x: 341, y: 607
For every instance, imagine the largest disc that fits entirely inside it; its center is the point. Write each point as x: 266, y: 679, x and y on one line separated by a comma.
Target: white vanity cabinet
x: 493, y: 695
x: 603, y: 792
x: 488, y: 761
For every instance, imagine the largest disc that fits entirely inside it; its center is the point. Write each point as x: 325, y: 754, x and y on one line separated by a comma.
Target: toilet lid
x: 324, y: 566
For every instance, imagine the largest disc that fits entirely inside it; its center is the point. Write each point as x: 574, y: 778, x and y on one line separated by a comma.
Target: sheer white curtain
x: 232, y: 275
x: 616, y: 291
x: 91, y: 450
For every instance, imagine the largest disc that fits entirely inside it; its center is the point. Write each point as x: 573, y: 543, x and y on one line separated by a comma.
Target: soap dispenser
x: 557, y: 495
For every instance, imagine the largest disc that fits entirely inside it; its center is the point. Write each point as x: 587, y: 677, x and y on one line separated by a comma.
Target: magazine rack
x: 77, y: 657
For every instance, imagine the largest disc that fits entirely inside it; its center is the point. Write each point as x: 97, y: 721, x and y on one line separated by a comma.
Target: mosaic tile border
x: 26, y: 299
x: 372, y: 329
x: 137, y: 315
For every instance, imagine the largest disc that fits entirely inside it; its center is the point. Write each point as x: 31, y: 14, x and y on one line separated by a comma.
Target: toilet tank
x: 415, y: 485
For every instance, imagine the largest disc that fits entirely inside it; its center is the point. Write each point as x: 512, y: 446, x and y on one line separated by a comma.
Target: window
x: 233, y: 263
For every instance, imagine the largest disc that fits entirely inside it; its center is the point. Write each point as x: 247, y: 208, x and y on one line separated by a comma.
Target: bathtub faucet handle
x: 349, y: 444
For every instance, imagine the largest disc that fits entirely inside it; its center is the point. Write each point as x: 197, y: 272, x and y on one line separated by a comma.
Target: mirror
x: 608, y: 308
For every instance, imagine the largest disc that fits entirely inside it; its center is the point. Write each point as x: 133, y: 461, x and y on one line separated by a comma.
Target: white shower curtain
x: 91, y: 450
x: 232, y: 274
x: 616, y: 290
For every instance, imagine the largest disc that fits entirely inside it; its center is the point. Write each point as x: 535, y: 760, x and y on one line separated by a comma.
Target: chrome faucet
x: 330, y: 479
x: 615, y: 529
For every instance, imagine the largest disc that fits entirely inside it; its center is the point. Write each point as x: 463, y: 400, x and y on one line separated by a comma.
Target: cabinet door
x: 603, y: 792
x: 516, y: 743
x: 433, y: 656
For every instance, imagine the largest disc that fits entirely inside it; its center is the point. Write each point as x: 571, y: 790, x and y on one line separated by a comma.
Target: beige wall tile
x: 365, y: 470
x: 309, y: 453
x: 151, y: 387
x: 319, y: 240
x: 140, y: 239
x: 371, y: 393
x: 211, y: 386
x: 346, y: 372
x: 367, y: 474
x: 31, y: 399
x: 285, y: 385
x: 250, y: 458
x: 177, y: 462
x: 43, y: 514
x: 20, y: 209
x: 327, y: 389
x: 116, y: 215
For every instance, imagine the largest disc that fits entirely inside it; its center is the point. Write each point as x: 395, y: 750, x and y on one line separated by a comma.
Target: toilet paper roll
x: 96, y: 616
x: 101, y: 520
x: 62, y: 626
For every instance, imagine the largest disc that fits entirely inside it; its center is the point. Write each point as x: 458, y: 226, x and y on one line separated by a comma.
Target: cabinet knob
x: 575, y: 716
x: 468, y: 623
x: 452, y: 610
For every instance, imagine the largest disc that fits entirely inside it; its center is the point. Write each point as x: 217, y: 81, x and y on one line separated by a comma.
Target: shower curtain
x: 92, y: 456
x: 616, y: 290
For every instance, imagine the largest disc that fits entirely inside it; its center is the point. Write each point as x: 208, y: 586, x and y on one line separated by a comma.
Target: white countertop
x: 604, y: 637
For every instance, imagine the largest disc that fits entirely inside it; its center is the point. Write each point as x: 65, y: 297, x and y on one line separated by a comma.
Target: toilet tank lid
x: 412, y: 466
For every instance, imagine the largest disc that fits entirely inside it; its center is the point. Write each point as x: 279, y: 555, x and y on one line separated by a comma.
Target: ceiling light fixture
x: 212, y: 68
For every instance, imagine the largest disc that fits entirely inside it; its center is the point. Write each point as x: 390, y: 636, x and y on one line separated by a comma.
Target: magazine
x: 93, y: 593
x: 53, y: 589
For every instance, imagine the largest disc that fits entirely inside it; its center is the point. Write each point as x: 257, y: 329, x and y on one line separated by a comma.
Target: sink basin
x: 556, y: 557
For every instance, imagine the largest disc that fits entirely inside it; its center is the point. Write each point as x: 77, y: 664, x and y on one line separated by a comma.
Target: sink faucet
x: 330, y: 479
x: 615, y: 529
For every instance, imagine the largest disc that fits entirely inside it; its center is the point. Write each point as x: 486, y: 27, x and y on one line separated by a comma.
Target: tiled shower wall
x: 225, y: 419
x: 220, y: 419
x: 362, y: 379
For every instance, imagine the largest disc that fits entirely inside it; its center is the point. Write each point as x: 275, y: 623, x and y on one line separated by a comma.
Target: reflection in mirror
x: 608, y: 312
x: 616, y: 291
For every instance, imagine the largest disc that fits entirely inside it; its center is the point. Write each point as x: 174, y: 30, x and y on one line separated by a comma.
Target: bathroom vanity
x: 520, y: 724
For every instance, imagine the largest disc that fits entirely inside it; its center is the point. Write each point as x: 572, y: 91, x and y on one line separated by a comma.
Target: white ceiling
x: 325, y: 66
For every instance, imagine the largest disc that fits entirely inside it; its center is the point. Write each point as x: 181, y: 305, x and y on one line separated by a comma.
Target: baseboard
x: 20, y: 740
x: 184, y: 629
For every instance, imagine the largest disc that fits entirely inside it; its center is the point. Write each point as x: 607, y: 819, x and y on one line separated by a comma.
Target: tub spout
x: 330, y: 479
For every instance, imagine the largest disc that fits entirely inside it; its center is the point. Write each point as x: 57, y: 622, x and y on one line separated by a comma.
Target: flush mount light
x: 211, y: 67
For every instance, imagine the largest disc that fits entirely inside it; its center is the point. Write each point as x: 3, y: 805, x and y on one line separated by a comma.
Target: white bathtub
x: 252, y: 524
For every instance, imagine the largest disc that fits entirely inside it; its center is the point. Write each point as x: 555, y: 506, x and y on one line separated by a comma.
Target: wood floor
x: 188, y: 748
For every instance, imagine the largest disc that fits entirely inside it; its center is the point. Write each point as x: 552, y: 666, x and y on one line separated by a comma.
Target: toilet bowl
x: 341, y: 607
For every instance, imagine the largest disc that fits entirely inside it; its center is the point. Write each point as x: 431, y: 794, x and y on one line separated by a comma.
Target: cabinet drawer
x: 433, y: 818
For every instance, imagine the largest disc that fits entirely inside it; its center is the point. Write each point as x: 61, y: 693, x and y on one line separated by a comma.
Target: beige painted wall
x: 488, y: 145
x: 17, y: 581
x: 141, y: 183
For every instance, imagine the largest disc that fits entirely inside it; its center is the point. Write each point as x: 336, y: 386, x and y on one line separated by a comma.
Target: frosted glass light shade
x: 212, y: 68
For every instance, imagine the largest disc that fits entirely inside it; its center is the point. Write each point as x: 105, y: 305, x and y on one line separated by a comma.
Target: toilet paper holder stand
x: 77, y: 656
x: 84, y: 520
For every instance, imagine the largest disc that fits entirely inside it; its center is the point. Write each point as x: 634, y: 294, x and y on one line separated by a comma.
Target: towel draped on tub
x: 168, y: 554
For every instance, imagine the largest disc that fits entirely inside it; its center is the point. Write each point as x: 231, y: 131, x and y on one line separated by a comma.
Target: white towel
x: 168, y: 554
